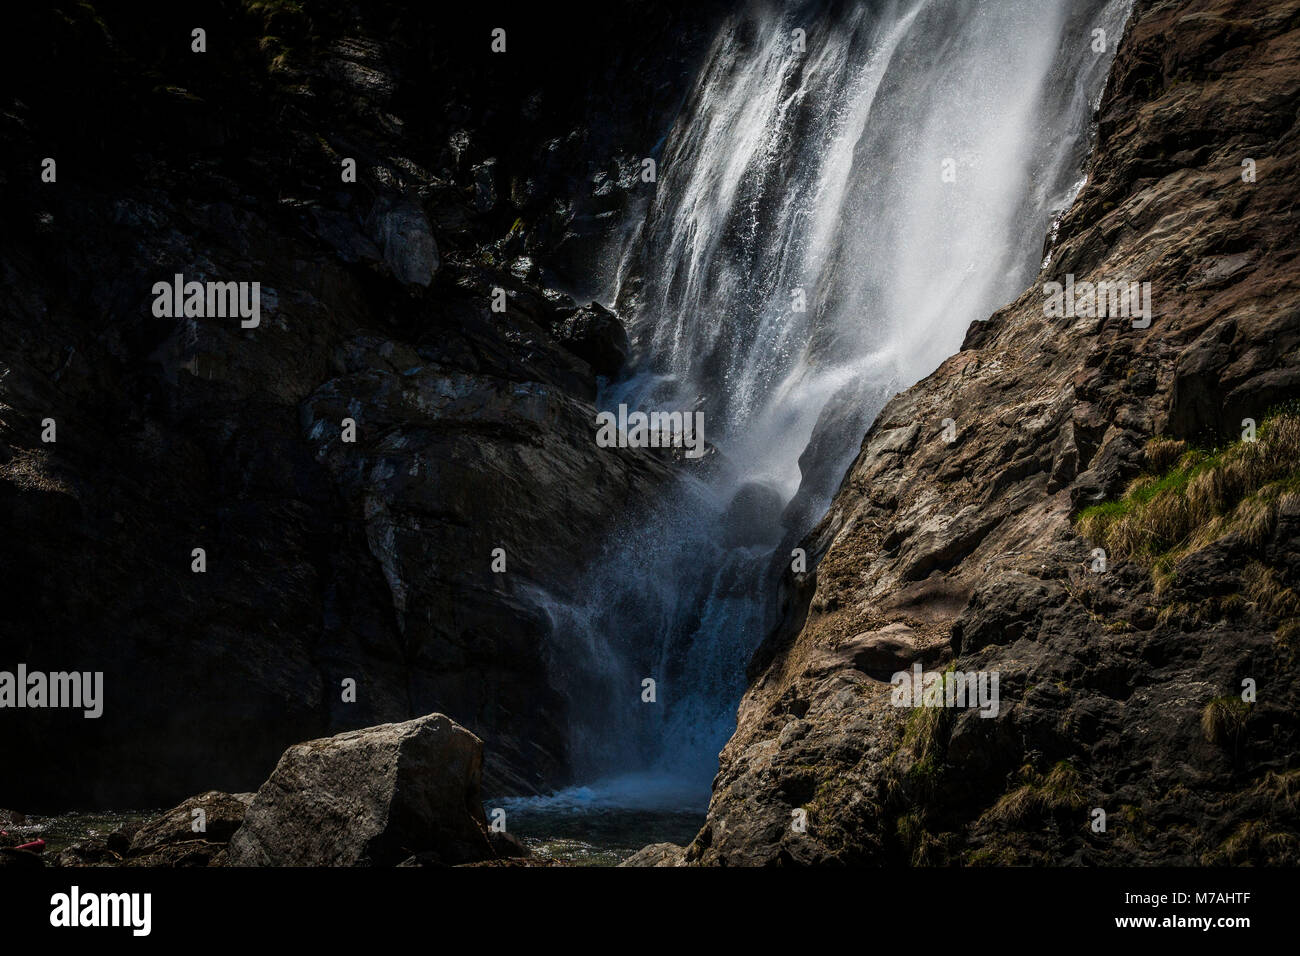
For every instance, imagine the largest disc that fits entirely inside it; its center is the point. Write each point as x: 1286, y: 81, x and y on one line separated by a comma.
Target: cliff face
x: 326, y: 560
x: 1120, y: 689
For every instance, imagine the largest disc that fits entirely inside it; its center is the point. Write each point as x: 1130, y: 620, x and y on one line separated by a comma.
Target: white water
x: 819, y: 171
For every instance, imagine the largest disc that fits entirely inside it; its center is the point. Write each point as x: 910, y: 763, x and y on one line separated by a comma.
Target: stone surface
x: 657, y: 854
x: 401, y: 229
x: 371, y: 797
x: 222, y: 815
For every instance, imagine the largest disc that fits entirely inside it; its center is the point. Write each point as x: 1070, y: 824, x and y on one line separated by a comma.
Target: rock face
x: 403, y: 233
x: 348, y: 575
x: 372, y: 797
x: 968, y: 552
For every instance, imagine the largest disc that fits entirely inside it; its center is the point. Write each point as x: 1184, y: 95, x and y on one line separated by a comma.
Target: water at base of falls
x: 608, y: 820
x: 827, y: 224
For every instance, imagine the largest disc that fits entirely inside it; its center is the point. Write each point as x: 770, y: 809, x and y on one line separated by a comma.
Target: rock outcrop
x: 194, y: 833
x: 372, y: 797
x: 657, y: 854
x: 1121, y: 685
x: 346, y: 577
x: 210, y: 818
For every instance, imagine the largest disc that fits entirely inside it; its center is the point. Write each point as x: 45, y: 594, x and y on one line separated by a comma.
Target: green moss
x: 924, y: 737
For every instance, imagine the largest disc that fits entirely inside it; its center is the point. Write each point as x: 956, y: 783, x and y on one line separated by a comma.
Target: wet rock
x: 524, y: 268
x: 485, y: 189
x: 477, y: 639
x: 371, y: 797
x: 596, y: 336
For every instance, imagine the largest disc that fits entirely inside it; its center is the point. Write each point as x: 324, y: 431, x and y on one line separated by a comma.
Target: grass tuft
x: 1223, y: 721
x: 1059, y: 790
x: 1194, y: 497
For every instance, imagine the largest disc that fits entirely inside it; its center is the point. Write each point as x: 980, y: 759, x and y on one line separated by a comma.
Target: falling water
x: 898, y: 176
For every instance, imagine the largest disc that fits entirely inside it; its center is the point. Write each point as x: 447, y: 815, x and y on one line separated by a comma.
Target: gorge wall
x: 325, y: 560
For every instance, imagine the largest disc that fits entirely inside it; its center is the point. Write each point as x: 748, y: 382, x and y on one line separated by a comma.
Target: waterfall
x: 896, y: 178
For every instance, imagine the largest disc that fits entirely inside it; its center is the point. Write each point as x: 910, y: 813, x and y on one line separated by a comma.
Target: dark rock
x: 507, y: 844
x: 222, y: 815
x: 119, y: 841
x: 485, y: 190
x: 20, y: 859
x: 339, y: 231
x: 93, y: 852
x: 401, y: 230
x: 185, y: 433
x: 596, y: 336
x: 884, y: 652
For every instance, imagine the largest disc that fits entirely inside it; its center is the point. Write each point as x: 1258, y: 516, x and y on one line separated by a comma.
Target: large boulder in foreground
x: 371, y: 797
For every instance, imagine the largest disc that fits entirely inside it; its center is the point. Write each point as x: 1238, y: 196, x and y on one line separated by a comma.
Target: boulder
x: 401, y: 229
x: 371, y: 797
x: 657, y: 854
x: 222, y: 815
x: 507, y: 845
